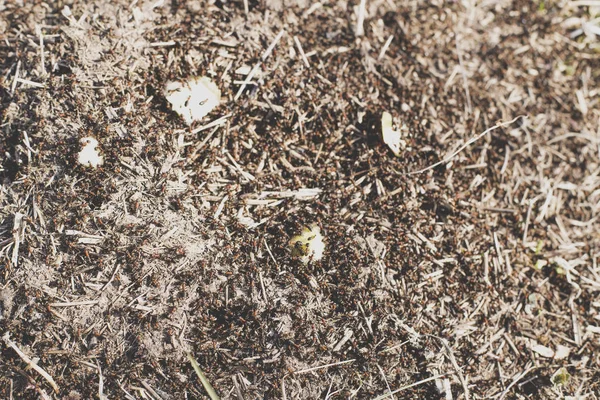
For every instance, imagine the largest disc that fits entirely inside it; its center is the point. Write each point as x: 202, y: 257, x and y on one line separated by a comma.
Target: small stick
x: 262, y: 285
x: 220, y: 207
x: 454, y: 363
x: 486, y: 269
x: 216, y: 122
x: 304, y: 59
x: 514, y: 382
x: 361, y: 18
x: 403, y: 388
x: 238, y: 390
x: 269, y: 50
x: 506, y: 158
x: 270, y: 253
x: 464, y: 146
x: 151, y: 391
x: 41, y: 35
x: 30, y: 83
x: 386, y: 382
x: 195, y: 154
x: 283, y: 395
x: 527, y: 219
x: 112, y: 276
x: 101, y: 395
x: 14, y: 84
x: 464, y: 75
x: 323, y: 366
x: 254, y: 70
x: 163, y: 44
x: 29, y: 362
x: 18, y: 235
x: 385, y: 47
x: 74, y: 303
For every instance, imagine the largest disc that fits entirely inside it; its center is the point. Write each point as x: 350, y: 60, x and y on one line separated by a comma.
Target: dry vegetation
x: 475, y: 279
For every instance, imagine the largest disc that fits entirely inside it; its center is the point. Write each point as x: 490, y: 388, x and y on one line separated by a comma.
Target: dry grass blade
x: 254, y: 70
x: 464, y: 146
x: 30, y: 362
x: 323, y: 366
x: 457, y: 368
x: 515, y: 381
x: 207, y: 386
x: 390, y: 394
x: 18, y: 234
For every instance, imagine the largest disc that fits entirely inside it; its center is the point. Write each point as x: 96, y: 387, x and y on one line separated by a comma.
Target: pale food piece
x: 193, y: 99
x: 391, y: 137
x: 308, y: 245
x: 89, y: 155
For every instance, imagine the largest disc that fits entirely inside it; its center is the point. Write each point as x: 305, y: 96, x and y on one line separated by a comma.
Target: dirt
x: 476, y: 278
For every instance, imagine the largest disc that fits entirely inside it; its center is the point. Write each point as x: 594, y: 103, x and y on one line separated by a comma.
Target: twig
x: 39, y: 32
x: 270, y: 253
x: 299, y: 45
x: 74, y: 303
x: 199, y: 147
x: 265, y: 55
x: 14, y: 83
x: 29, y: 362
x: 527, y: 219
x: 361, y: 18
x: 128, y: 396
x: 220, y: 207
x: 323, y: 366
x: 112, y: 276
x: 101, y: 395
x: 163, y: 44
x: 238, y: 390
x: 464, y: 75
x: 18, y: 234
x: 514, y: 382
x: 386, y: 382
x: 151, y: 391
x: 461, y: 377
x: 403, y: 388
x: 30, y: 83
x: 385, y: 47
x: 216, y: 122
x: 464, y: 146
x: 283, y: 394
x: 262, y: 285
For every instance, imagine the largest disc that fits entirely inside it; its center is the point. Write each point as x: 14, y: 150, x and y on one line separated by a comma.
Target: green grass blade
x: 207, y: 386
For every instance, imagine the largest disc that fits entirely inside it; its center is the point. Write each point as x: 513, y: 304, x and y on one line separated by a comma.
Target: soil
x: 475, y: 278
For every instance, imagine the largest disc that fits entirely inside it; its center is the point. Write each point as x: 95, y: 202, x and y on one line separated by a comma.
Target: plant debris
x: 463, y: 265
x: 560, y: 377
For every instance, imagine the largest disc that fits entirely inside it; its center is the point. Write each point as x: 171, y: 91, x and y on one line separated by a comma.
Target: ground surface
x: 482, y: 271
